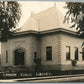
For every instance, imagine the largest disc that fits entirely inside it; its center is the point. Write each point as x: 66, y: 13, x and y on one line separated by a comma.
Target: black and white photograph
x: 41, y: 41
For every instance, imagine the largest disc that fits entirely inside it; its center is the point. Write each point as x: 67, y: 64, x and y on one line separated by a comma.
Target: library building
x: 44, y: 36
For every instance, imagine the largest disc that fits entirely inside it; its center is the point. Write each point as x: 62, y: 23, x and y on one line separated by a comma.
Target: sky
x: 37, y: 6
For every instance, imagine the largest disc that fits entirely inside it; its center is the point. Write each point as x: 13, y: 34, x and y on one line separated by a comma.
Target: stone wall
x: 29, y: 43
x: 54, y: 41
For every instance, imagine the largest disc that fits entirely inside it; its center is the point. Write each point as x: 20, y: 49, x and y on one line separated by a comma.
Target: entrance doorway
x: 19, y: 57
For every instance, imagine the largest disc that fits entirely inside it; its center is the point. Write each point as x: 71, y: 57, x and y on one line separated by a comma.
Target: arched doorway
x: 19, y: 56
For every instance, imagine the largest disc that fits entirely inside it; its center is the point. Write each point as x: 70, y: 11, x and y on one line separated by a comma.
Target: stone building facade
x: 48, y: 39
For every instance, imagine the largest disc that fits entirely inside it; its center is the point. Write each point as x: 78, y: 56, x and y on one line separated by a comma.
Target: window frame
x: 35, y: 54
x: 77, y: 54
x: 6, y: 56
x: 49, y: 54
x: 82, y: 54
x: 69, y: 53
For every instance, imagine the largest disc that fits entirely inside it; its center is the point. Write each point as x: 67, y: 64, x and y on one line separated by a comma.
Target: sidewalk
x: 40, y: 78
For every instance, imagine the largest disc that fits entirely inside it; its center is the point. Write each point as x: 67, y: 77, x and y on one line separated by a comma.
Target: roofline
x: 25, y: 32
x: 46, y: 32
x: 58, y: 29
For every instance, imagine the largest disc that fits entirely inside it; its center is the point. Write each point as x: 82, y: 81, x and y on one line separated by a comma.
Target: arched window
x: 19, y: 56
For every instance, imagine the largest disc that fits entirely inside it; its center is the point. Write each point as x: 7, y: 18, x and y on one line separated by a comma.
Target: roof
x: 45, y: 32
x: 48, y: 19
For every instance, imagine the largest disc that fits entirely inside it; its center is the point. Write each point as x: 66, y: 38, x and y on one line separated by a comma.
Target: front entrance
x: 19, y: 57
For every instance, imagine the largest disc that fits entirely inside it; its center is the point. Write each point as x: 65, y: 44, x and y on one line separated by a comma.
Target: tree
x: 75, y: 15
x: 10, y: 14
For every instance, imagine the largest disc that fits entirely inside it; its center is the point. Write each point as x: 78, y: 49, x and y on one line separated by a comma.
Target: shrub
x: 74, y: 62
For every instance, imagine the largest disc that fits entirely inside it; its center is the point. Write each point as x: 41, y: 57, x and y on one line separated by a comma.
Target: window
x: 67, y: 52
x: 82, y: 53
x: 6, y: 56
x: 76, y: 53
x: 49, y: 53
x: 35, y: 54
